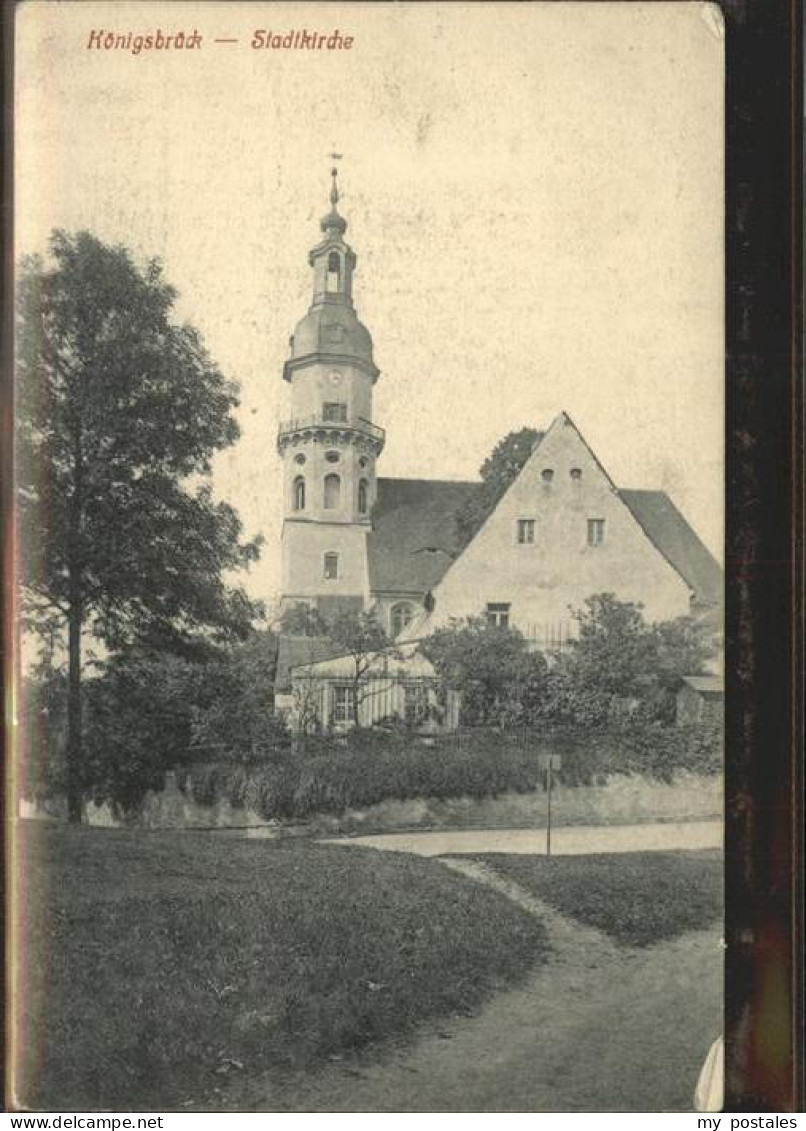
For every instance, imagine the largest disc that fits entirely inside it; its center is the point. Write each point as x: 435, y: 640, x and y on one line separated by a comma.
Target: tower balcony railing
x: 317, y: 422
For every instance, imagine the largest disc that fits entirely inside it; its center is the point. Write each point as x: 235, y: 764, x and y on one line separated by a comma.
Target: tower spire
x: 334, y: 225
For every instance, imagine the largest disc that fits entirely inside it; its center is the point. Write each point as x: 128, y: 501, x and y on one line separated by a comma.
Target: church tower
x: 329, y: 445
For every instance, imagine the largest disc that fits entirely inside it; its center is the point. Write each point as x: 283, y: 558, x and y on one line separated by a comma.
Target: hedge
x: 367, y: 767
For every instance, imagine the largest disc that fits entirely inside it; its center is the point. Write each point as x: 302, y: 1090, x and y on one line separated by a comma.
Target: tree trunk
x: 74, y: 791
x: 75, y: 621
x: 356, y: 688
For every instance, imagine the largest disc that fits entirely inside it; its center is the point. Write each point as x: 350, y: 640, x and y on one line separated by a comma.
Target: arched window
x: 402, y: 615
x: 333, y: 277
x: 332, y: 492
x: 299, y: 493
x: 363, y: 496
x: 331, y: 566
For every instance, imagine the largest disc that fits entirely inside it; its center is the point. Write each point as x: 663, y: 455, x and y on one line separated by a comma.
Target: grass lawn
x: 161, y: 966
x: 637, y: 898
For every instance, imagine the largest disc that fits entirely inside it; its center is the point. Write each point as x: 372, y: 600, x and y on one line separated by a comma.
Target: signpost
x: 549, y: 762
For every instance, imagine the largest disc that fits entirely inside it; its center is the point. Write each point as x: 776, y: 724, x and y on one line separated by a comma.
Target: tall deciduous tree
x: 120, y: 411
x: 497, y: 472
x: 618, y: 659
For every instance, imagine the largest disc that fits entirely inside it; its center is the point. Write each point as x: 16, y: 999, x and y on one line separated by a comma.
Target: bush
x: 367, y: 767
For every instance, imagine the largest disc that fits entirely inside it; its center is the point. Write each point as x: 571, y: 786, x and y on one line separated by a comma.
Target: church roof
x: 672, y: 535
x: 414, y: 535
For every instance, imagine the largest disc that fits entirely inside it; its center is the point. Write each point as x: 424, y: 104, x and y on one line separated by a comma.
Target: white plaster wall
x: 311, y: 387
x: 304, y: 545
x: 560, y: 569
x: 314, y: 470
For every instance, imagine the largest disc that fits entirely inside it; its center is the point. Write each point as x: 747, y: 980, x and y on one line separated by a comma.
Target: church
x: 562, y: 531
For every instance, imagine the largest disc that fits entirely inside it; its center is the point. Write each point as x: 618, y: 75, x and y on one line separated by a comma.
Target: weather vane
x: 334, y: 192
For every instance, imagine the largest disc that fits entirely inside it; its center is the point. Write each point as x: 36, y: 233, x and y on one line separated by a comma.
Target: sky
x: 534, y: 193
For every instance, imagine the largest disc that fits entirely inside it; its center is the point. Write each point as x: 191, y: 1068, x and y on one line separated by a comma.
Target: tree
x: 137, y: 723
x: 501, y: 682
x: 620, y: 663
x: 120, y: 412
x: 303, y: 620
x: 362, y: 637
x: 235, y: 719
x: 501, y: 468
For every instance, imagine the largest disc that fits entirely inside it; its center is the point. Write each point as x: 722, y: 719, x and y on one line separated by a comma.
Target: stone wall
x: 623, y: 800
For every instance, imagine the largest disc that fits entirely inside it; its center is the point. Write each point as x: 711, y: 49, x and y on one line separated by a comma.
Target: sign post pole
x: 549, y: 763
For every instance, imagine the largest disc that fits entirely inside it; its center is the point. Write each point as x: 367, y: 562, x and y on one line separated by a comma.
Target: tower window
x: 498, y: 614
x: 331, y: 569
x: 362, y: 462
x: 596, y: 530
x: 333, y: 277
x: 334, y: 412
x: 332, y: 492
x: 547, y: 474
x: 526, y: 531
x: 299, y: 493
x: 332, y: 457
x: 363, y: 496
x: 299, y: 458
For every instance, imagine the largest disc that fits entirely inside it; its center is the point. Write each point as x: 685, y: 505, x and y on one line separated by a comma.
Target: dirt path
x: 571, y: 840
x: 600, y: 1027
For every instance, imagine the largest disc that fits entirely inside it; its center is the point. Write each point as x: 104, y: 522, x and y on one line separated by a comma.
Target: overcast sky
x: 534, y: 193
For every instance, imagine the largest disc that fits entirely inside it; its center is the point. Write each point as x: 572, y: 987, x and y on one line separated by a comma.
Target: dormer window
x: 333, y: 276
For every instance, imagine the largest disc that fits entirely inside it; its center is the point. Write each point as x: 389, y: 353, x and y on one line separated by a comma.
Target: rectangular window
x: 595, y: 531
x: 343, y: 704
x: 498, y: 614
x: 415, y: 703
x: 331, y: 567
x: 334, y: 412
x: 526, y: 531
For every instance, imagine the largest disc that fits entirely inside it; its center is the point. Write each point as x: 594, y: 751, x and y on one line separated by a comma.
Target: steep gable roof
x: 671, y: 534
x: 414, y: 536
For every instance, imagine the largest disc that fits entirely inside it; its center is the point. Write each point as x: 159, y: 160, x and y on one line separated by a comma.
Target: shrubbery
x: 331, y: 776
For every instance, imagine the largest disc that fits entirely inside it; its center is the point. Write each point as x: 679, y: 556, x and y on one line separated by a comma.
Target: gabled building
x: 561, y: 532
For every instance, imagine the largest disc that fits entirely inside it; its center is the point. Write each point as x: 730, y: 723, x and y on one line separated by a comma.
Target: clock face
x: 335, y: 377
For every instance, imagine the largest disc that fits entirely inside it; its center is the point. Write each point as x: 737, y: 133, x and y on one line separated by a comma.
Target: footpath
x: 565, y: 841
